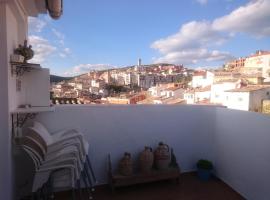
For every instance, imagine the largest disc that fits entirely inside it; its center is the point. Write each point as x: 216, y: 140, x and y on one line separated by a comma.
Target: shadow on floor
x: 189, y: 188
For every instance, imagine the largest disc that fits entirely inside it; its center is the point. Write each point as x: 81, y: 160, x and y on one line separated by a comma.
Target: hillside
x: 56, y: 79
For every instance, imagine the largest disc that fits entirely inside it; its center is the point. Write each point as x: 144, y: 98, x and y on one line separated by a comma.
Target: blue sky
x: 98, y: 34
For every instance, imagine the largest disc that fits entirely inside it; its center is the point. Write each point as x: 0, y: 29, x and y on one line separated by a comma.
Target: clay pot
x: 146, y: 159
x: 125, y: 165
x: 162, y: 156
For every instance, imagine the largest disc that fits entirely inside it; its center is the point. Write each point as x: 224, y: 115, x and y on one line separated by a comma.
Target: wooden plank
x: 152, y: 176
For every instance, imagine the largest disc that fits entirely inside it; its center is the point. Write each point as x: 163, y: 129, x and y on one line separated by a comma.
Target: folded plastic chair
x: 66, y: 137
x: 65, y: 152
x: 44, y: 172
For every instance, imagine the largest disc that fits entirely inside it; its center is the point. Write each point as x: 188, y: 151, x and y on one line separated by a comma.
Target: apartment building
x: 261, y: 60
x: 202, y: 79
x: 248, y: 98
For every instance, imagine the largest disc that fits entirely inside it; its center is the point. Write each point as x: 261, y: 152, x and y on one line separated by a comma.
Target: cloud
x: 36, y: 24
x: 202, y: 2
x: 65, y: 52
x: 190, y: 36
x: 42, y: 48
x: 253, y: 18
x: 84, y: 68
x: 193, y: 41
x: 59, y: 36
x: 194, y: 56
x: 49, y: 44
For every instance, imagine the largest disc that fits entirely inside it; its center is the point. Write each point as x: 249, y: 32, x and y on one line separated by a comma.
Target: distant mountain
x: 56, y: 79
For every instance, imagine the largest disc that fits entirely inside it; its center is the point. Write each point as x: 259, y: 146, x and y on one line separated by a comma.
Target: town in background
x: 242, y: 84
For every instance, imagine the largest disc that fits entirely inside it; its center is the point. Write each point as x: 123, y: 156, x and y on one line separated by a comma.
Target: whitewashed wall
x: 5, y: 152
x: 237, y: 142
x: 237, y: 100
x: 242, y: 146
x: 13, y: 31
x: 116, y: 129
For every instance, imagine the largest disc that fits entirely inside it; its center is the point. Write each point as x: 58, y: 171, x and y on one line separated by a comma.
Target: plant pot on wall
x: 204, y: 169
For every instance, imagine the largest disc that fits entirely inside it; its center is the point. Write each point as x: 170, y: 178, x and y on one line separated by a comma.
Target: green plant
x: 205, y: 164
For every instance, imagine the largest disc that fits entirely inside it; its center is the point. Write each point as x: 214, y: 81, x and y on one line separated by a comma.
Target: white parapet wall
x: 116, y: 129
x: 242, y: 146
x: 237, y: 142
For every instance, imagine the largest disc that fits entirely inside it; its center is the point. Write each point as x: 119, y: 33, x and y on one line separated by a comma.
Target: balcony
x: 237, y: 142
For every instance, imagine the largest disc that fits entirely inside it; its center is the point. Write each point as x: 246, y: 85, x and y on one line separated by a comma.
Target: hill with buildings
x: 57, y: 79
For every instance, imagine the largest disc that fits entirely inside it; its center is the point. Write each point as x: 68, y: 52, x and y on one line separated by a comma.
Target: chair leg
x: 91, y: 168
x: 79, y: 189
x: 33, y: 196
x: 38, y: 194
x: 42, y: 195
x: 86, y: 185
x: 73, y: 196
x: 50, y: 188
x: 89, y: 179
x: 47, y: 192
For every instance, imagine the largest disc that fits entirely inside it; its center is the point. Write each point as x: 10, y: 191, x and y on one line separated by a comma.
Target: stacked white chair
x: 65, y: 137
x: 45, y: 170
x: 52, y: 151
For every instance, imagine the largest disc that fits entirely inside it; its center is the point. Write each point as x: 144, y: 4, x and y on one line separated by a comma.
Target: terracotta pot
x: 146, y: 159
x: 125, y: 165
x: 162, y: 156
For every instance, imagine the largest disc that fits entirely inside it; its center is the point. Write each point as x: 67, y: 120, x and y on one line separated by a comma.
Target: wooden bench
x: 117, y: 180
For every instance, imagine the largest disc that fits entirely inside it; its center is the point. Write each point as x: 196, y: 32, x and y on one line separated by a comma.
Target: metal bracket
x: 19, y: 119
x: 19, y: 71
x: 20, y: 68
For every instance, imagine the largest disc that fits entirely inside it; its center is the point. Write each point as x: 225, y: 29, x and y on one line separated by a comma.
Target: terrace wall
x: 242, y: 146
x: 237, y: 142
x: 116, y: 129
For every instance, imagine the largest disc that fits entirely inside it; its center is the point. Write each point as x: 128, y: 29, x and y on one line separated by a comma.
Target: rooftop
x: 199, y: 73
x: 249, y: 88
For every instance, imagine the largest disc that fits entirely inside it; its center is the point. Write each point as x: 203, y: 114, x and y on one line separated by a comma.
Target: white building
x: 189, y: 96
x: 156, y: 91
x: 176, y: 92
x: 202, y: 79
x: 79, y: 86
x: 261, y: 60
x: 193, y: 96
x: 247, y: 98
x: 71, y: 84
x: 97, y: 83
x: 202, y: 94
x: 218, y: 90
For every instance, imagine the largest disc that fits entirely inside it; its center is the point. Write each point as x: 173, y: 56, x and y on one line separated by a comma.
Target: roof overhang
x: 33, y: 7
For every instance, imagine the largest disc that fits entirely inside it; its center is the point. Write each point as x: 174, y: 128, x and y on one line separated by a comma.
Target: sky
x: 101, y: 34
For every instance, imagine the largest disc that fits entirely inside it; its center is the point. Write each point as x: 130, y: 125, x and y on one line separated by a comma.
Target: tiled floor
x: 190, y: 188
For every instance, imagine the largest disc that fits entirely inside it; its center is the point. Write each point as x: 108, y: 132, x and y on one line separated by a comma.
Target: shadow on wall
x: 237, y: 142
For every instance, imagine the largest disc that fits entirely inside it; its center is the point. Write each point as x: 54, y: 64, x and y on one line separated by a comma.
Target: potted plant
x: 204, y: 169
